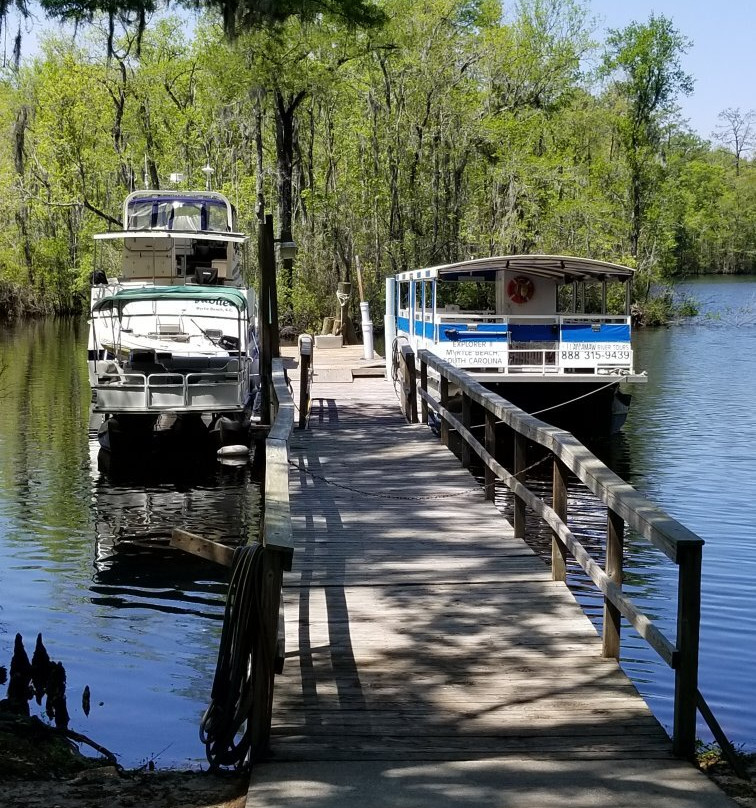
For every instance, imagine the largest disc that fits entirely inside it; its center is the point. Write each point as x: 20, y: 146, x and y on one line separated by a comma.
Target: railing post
x: 466, y: 452
x: 490, y: 439
x: 686, y: 671
x: 412, y: 388
x: 265, y: 655
x: 409, y: 384
x: 424, y: 387
x: 615, y: 531
x: 559, y: 506
x: 520, y: 448
x: 443, y: 391
x: 305, y: 363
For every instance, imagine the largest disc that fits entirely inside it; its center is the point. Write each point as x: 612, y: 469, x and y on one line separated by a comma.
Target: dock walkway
x: 430, y: 659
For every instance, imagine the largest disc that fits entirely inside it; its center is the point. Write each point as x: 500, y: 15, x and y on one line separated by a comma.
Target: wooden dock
x: 430, y: 659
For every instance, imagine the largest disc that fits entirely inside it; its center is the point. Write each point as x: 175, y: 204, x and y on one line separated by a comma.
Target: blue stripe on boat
x: 607, y: 332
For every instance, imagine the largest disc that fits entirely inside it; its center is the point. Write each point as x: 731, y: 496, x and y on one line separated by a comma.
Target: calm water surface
x: 140, y: 626
x: 82, y: 557
x: 690, y: 446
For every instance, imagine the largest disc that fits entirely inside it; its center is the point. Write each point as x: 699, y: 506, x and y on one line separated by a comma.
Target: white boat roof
x: 158, y: 235
x: 563, y: 268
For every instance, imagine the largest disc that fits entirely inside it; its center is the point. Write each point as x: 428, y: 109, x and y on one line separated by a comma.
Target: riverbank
x: 105, y: 787
x: 18, y: 302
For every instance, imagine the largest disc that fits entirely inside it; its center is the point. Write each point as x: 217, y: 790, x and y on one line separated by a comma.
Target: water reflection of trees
x: 43, y: 427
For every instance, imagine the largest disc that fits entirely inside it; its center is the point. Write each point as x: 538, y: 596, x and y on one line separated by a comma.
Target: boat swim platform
x: 430, y: 659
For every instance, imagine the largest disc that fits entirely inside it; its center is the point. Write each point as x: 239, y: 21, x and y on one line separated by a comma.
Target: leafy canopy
x: 237, y: 15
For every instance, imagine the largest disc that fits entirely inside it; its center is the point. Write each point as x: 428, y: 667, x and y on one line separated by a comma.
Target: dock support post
x: 490, y: 439
x: 424, y: 388
x: 559, y: 505
x: 265, y: 655
x: 409, y: 384
x: 686, y: 670
x: 443, y: 390
x: 615, y: 531
x: 520, y: 447
x: 305, y: 364
x: 269, y: 344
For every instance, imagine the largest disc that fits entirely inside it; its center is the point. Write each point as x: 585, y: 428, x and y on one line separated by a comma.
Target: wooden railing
x: 276, y: 539
x: 625, y: 506
x: 266, y: 643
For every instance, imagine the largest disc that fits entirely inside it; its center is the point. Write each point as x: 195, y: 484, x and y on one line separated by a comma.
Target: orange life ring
x: 520, y: 289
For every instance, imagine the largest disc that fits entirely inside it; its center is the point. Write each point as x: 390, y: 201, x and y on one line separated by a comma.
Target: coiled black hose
x: 224, y: 728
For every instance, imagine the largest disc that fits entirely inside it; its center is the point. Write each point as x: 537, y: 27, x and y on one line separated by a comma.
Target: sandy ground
x: 106, y: 788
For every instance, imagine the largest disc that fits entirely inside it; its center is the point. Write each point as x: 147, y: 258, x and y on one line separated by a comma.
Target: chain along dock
x: 430, y: 657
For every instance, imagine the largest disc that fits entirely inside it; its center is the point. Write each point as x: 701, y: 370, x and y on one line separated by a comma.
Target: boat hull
x: 587, y: 409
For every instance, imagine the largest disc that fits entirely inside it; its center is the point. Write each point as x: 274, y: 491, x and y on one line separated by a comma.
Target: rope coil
x: 224, y: 728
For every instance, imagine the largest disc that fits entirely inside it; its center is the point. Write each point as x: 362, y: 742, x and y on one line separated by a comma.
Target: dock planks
x: 430, y: 659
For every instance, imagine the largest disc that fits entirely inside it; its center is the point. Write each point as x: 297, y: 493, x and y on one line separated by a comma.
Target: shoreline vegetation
x: 662, y: 307
x: 382, y: 135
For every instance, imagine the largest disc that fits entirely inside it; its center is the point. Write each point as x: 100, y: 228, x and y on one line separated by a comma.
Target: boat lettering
x: 483, y: 356
x: 217, y: 301
x: 595, y: 352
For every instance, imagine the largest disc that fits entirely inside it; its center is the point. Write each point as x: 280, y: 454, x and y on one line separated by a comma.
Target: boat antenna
x: 208, y: 171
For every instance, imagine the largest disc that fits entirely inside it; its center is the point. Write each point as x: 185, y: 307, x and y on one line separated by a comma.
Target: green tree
x: 644, y: 62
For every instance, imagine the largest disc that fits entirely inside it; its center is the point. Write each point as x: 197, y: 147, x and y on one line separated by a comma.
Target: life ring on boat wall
x: 520, y: 289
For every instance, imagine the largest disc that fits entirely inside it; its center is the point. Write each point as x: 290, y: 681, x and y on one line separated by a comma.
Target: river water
x: 82, y: 557
x: 691, y: 448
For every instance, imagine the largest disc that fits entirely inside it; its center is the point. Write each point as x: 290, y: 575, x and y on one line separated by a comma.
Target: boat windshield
x: 185, y: 215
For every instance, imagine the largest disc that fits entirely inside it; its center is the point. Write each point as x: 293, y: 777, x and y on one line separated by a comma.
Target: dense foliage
x: 445, y: 131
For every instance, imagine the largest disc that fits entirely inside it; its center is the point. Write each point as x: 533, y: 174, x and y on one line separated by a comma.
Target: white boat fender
x: 235, y: 450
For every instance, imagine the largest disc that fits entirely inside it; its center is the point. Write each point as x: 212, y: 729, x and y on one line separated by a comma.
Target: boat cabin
x: 176, y: 237
x: 519, y: 316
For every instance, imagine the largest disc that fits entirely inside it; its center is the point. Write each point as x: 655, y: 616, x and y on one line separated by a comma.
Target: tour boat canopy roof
x: 225, y: 295
x: 159, y: 235
x: 562, y: 268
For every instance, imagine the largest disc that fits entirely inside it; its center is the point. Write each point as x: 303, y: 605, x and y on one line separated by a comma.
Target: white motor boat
x: 172, y: 324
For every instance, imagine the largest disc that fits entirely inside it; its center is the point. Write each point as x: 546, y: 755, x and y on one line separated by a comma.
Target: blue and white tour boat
x: 549, y: 333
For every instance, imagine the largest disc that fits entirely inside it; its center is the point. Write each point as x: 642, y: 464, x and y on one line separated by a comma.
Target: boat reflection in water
x: 137, y: 505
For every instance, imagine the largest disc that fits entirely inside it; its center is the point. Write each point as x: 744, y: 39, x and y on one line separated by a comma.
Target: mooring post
x: 615, y: 531
x: 520, y: 450
x: 559, y: 506
x: 305, y: 343
x: 686, y: 670
x: 269, y: 345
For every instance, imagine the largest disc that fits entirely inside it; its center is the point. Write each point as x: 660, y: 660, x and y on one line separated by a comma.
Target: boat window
x: 403, y: 295
x: 468, y: 295
x: 217, y: 217
x: 163, y: 214
x: 186, y: 218
x: 140, y: 215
